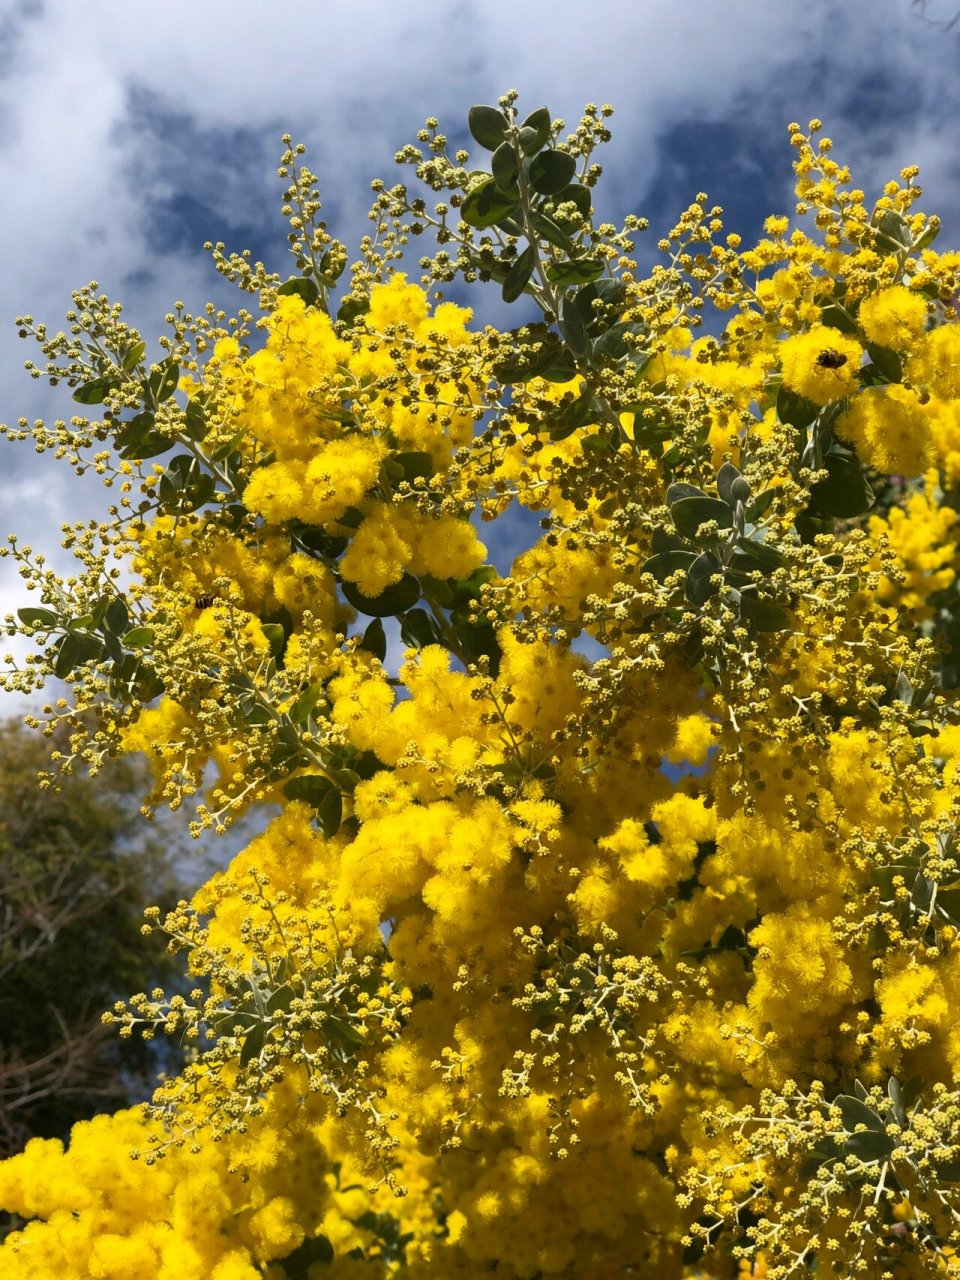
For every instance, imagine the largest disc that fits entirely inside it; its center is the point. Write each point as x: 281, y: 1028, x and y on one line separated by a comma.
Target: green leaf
x: 414, y: 464
x: 518, y: 277
x: 652, y: 434
x: 322, y: 795
x: 229, y: 1024
x: 582, y: 411
x: 531, y: 363
x: 948, y: 904
x: 751, y: 555
x: 195, y: 418
x: 333, y: 263
x: 149, y: 445
x: 72, y: 651
x: 551, y: 171
x: 575, y: 271
x: 869, y: 1146
x: 162, y: 382
x: 275, y: 636
x: 240, y: 683
x: 344, y: 1029
x: 463, y: 590
x: 487, y: 125
x: 253, y: 711
x: 398, y: 598
x: 391, y: 470
x: 690, y: 513
x: 487, y: 204
x: 514, y: 226
x: 739, y: 491
x: 824, y: 1149
x: 837, y: 318
x: 667, y: 562
x: 892, y: 232
x: 664, y: 540
x: 845, y: 492
x: 117, y: 617
x: 138, y: 638
x: 36, y: 617
x: 922, y: 893
x: 199, y: 494
x: 699, y: 585
x: 302, y: 286
x: 281, y: 999
x: 577, y: 195
x: 346, y: 779
x: 574, y: 329
x: 375, y: 640
x: 794, y: 409
x: 351, y: 308
x: 183, y: 485
x: 760, y: 505
x: 562, y: 368
x: 253, y: 1044
x: 554, y: 234
x: 762, y: 615
x: 329, y: 814
x: 613, y: 343
x: 315, y: 1251
x: 927, y: 236
x: 680, y: 489
x: 316, y: 539
x: 535, y: 131
x: 727, y: 474
x: 133, y: 356
x: 479, y: 640
x: 133, y: 432
x: 112, y: 647
x: 95, y: 391
x: 505, y: 167
x: 599, y: 442
x: 352, y: 518
x: 885, y: 362
x: 180, y: 471
x: 611, y: 293
x: 894, y: 1093
x: 437, y: 589
x: 305, y: 703
x: 418, y: 629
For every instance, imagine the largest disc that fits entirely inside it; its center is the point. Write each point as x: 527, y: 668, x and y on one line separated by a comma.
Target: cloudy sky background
x: 131, y: 132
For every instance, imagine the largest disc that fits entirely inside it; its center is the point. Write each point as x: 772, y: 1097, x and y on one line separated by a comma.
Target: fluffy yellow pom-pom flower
x: 821, y: 364
x: 894, y: 317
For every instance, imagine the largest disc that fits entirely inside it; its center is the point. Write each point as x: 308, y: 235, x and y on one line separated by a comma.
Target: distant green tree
x: 74, y: 880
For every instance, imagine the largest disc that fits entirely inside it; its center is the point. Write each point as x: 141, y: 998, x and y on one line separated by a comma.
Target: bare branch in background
x: 945, y: 24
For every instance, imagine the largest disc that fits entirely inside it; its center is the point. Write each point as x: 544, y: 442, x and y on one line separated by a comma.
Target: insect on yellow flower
x: 830, y: 358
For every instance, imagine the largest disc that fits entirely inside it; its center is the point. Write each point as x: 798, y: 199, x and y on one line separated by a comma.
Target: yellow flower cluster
x: 316, y: 406
x: 921, y: 534
x: 181, y: 1216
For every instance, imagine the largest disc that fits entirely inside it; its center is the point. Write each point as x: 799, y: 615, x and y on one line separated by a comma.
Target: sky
x: 132, y: 132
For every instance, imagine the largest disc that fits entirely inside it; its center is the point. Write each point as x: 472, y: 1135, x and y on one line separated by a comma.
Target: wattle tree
x: 604, y: 916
